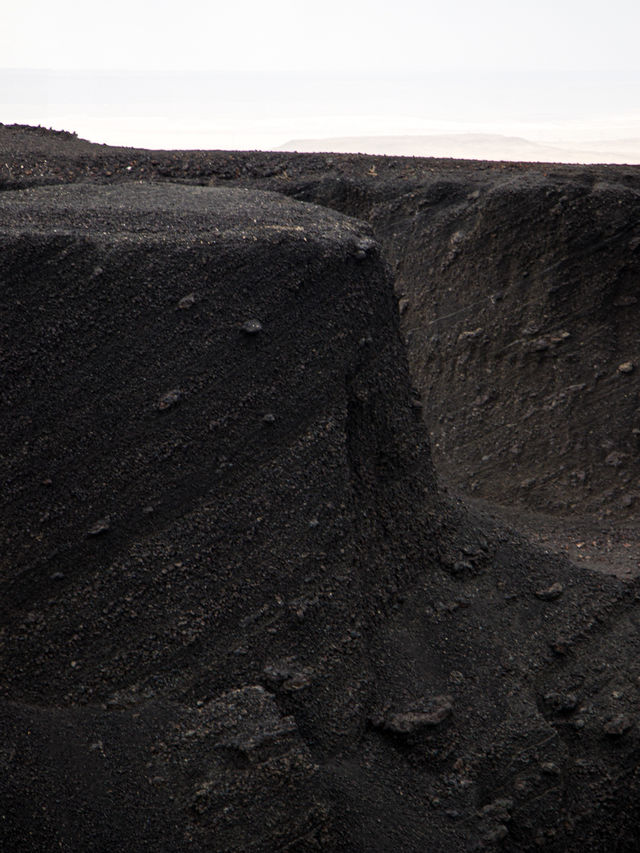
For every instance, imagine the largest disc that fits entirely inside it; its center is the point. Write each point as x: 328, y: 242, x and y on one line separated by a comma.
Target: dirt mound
x: 237, y: 613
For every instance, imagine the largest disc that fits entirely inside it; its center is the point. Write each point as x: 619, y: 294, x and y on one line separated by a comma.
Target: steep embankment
x: 237, y: 614
x: 185, y: 372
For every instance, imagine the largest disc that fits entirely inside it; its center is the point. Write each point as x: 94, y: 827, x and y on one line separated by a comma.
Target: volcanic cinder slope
x: 521, y: 315
x: 238, y: 615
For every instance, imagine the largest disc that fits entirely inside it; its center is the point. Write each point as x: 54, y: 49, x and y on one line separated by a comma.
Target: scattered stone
x: 561, y: 703
x: 101, y: 526
x: 561, y: 646
x: 482, y: 400
x: 269, y: 418
x: 251, y: 327
x: 436, y: 711
x: 626, y: 367
x: 218, y: 423
x: 470, y: 335
x: 169, y: 399
x: 403, y: 305
x: 541, y: 345
x: 363, y: 247
x: 551, y: 593
x: 57, y: 576
x: 298, y: 681
x: 278, y: 672
x: 284, y: 674
x: 495, y: 835
x: 187, y: 301
x: 615, y: 459
x: 462, y: 567
x: 550, y: 768
x: 499, y: 809
x: 618, y: 725
x: 528, y: 483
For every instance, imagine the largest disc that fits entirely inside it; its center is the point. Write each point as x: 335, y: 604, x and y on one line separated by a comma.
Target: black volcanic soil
x: 517, y: 287
x: 237, y: 612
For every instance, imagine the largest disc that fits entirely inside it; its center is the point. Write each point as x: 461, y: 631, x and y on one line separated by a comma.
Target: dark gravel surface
x: 237, y: 612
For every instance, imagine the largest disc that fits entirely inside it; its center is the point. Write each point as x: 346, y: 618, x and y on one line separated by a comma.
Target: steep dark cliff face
x: 208, y: 430
x: 237, y: 613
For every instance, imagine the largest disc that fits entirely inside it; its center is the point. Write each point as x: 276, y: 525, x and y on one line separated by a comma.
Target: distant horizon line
x: 333, y: 72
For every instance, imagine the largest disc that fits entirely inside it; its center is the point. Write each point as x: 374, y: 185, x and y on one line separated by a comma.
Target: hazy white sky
x: 258, y: 73
x: 334, y: 35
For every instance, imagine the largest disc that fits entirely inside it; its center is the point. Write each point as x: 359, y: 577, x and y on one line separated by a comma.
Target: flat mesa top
x: 164, y: 211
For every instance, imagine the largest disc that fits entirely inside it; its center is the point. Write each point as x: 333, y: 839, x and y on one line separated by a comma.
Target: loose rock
x: 169, y: 399
x: 437, y: 710
x: 561, y: 703
x: 551, y: 593
x: 101, y: 526
x: 618, y: 725
x: 187, y: 301
x: 251, y: 327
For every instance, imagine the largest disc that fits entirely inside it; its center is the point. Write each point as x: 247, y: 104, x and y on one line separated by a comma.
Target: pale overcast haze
x: 551, y: 80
